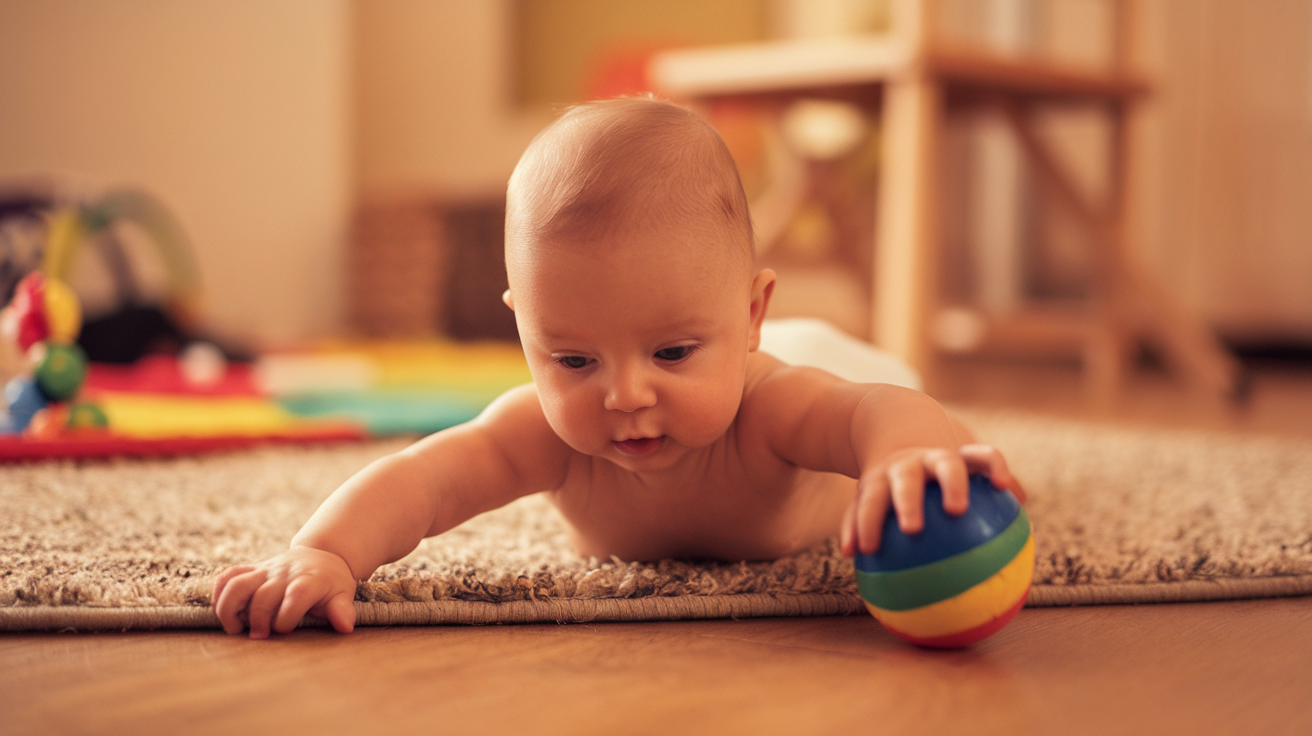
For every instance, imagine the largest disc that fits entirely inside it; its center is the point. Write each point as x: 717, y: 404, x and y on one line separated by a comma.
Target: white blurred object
x: 823, y: 130
x: 816, y: 343
x: 776, y: 65
x: 958, y: 330
x: 291, y: 374
x: 202, y: 364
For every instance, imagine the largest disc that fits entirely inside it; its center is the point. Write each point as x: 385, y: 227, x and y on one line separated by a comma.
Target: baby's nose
x: 630, y: 391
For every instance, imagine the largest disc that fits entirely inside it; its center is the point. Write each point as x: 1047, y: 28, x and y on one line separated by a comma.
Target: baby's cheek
x: 572, y: 422
x: 701, y: 420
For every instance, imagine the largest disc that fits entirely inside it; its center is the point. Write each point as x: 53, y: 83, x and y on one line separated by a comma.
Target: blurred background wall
x: 264, y: 123
x: 236, y: 113
x: 434, y: 111
x: 1226, y: 208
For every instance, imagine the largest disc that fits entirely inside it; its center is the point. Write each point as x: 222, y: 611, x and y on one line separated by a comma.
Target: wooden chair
x: 911, y: 79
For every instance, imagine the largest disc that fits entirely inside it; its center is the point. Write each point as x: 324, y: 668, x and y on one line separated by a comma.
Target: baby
x: 653, y: 423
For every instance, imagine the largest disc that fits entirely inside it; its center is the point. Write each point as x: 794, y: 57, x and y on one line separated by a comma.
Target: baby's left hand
x: 901, y: 479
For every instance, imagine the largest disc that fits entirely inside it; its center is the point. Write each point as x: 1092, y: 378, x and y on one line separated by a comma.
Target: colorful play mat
x: 69, y: 390
x: 336, y: 391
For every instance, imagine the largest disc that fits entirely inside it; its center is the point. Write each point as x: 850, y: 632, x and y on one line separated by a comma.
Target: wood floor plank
x: 1226, y: 667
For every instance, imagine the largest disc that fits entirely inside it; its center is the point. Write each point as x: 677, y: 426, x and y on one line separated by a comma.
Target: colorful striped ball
x: 959, y: 580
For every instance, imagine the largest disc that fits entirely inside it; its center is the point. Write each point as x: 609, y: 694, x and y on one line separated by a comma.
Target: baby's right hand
x: 276, y: 593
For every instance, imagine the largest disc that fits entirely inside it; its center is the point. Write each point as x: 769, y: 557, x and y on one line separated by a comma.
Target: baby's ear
x: 509, y: 301
x: 762, y: 290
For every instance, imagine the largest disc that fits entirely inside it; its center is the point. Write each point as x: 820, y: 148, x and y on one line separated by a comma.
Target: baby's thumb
x: 341, y: 613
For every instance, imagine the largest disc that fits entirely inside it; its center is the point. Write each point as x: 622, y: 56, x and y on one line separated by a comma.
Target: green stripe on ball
x: 902, y: 590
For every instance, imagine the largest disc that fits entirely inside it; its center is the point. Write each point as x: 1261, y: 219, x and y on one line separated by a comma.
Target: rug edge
x: 1279, y: 586
x: 576, y: 610
x: 410, y: 613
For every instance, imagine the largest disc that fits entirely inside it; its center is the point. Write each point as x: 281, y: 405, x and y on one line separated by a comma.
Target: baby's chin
x: 645, y: 455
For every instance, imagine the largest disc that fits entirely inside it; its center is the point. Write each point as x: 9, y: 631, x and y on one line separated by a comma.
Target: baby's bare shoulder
x: 517, y: 426
x: 776, y: 399
x: 777, y: 389
x: 804, y: 415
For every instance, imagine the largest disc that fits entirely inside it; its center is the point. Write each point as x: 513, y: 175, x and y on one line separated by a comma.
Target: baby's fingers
x: 302, y: 594
x: 907, y: 478
x: 320, y: 597
x: 341, y: 612
x: 986, y: 459
x: 871, y: 508
x: 235, y: 597
x: 950, y: 470
x: 264, y: 605
x: 222, y: 580
x: 847, y: 530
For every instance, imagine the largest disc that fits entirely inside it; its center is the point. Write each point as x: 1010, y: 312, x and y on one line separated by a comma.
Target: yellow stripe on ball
x: 969, y: 609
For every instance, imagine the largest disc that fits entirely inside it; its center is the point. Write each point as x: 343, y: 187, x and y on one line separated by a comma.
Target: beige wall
x: 235, y: 112
x: 1227, y: 156
x: 434, y: 98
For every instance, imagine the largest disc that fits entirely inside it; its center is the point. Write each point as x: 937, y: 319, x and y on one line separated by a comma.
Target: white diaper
x: 816, y: 343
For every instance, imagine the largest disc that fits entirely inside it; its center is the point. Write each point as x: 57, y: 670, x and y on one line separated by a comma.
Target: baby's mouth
x: 639, y: 447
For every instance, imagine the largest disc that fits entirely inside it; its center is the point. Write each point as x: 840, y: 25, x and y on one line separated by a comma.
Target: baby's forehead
x: 649, y: 281
x: 624, y: 245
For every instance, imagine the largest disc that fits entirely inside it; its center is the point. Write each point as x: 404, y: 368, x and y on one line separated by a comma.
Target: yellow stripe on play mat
x: 442, y: 363
x: 155, y: 416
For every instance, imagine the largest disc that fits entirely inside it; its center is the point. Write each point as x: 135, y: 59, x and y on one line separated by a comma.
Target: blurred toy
x: 203, y: 364
x: 63, y: 312
x: 135, y: 376
x: 24, y: 400
x: 959, y: 580
x: 42, y: 309
x: 60, y: 373
x: 43, y: 320
x: 23, y: 230
x: 136, y: 326
x: 86, y: 416
x: 49, y: 423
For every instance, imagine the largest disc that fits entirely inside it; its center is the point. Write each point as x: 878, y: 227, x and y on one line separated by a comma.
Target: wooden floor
x: 1226, y: 667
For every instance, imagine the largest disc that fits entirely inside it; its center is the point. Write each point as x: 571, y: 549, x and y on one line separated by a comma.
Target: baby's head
x: 625, y: 165
x: 629, y: 255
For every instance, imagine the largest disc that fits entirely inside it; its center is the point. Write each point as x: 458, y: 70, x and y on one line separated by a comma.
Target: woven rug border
x: 1181, y: 592
x: 410, y: 613
x: 574, y: 610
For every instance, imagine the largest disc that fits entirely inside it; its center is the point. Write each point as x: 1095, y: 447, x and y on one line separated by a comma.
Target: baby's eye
x: 678, y: 352
x: 573, y: 362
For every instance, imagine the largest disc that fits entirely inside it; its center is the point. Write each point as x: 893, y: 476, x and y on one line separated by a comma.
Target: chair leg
x: 906, y: 242
x: 1132, y: 297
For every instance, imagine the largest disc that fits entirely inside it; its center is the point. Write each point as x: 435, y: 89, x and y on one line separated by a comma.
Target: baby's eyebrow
x: 691, y: 324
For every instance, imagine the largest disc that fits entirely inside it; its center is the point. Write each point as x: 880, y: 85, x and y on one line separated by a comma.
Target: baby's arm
x: 383, y: 512
x: 891, y: 439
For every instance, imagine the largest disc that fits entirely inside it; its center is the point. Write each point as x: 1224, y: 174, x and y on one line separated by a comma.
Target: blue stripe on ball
x: 944, y: 535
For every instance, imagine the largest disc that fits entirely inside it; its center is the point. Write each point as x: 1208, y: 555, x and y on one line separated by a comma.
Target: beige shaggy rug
x: 1121, y: 515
